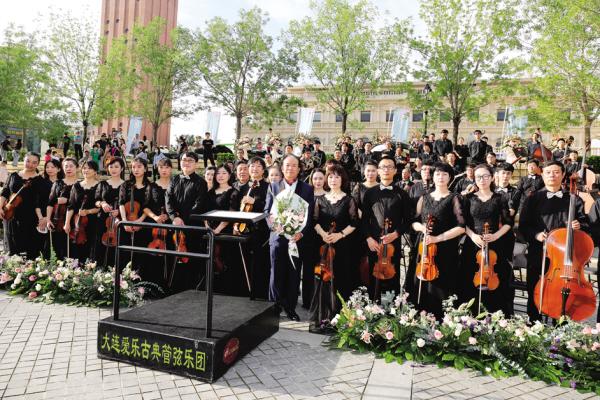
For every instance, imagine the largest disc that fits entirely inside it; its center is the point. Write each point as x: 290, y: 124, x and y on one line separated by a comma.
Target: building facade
x: 375, y: 120
x: 118, y: 18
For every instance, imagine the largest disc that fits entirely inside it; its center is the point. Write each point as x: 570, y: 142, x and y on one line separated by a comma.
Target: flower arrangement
x: 568, y: 355
x: 68, y: 281
x: 289, y: 216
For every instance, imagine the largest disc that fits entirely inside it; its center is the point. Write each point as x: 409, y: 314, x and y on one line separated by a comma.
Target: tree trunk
x: 587, y: 128
x: 455, y: 125
x: 85, y: 124
x: 155, y: 136
x: 344, y: 121
x: 238, y: 127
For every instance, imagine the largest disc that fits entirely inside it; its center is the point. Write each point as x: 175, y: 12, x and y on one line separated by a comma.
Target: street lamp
x: 426, y: 91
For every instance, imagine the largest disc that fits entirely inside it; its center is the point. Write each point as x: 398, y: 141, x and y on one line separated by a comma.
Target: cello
x: 486, y: 278
x: 426, y: 269
x: 564, y: 290
x: 242, y: 227
x: 324, y: 269
x: 542, y: 153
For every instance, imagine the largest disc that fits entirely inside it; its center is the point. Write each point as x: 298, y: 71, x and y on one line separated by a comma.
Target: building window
x: 338, y: 117
x: 365, y: 116
x: 501, y: 114
x: 317, y: 116
x: 417, y: 116
x: 294, y: 117
x: 389, y: 116
x: 445, y: 116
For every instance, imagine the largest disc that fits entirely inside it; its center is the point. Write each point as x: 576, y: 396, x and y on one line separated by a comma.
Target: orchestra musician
x: 532, y: 182
x: 448, y: 225
x: 186, y: 196
x: 20, y: 229
x: 52, y: 173
x: 107, y: 197
x: 381, y: 202
x: 542, y: 211
x: 485, y: 206
x: 57, y: 206
x: 80, y: 208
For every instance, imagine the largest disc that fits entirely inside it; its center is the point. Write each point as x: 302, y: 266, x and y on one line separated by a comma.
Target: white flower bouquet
x: 289, y: 216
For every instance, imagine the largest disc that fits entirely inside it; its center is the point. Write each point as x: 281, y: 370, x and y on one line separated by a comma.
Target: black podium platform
x: 170, y: 334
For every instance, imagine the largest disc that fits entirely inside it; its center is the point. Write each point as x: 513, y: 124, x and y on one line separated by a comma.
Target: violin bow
x: 543, y: 274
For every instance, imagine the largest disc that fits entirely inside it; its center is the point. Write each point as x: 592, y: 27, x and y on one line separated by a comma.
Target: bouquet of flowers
x: 289, y: 216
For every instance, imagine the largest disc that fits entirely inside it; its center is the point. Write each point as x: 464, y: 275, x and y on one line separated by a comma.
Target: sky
x: 193, y: 14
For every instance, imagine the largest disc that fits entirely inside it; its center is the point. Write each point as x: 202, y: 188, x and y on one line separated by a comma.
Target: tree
x: 468, y: 45
x: 73, y: 50
x: 238, y: 68
x: 345, y: 55
x: 566, y: 62
x: 26, y: 97
x: 147, y: 78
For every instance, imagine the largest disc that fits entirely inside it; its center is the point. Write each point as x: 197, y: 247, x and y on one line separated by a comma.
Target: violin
x: 132, y: 210
x: 242, y: 227
x: 383, y: 268
x: 486, y: 278
x: 15, y: 201
x: 426, y: 269
x: 324, y: 269
x: 564, y: 290
x: 159, y: 236
x: 59, y: 212
x: 179, y: 239
x: 79, y: 232
x: 109, y: 237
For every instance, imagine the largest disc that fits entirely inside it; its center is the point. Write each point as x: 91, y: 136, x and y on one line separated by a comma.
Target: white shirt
x: 292, y: 186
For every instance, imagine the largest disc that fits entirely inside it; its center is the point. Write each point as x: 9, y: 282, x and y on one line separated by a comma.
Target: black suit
x: 285, y: 276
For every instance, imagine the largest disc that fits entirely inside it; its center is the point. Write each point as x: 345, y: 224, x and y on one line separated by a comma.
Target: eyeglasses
x: 482, y: 177
x: 387, y: 167
x: 188, y: 160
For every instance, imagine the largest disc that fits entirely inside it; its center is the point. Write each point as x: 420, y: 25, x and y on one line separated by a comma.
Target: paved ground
x: 49, y: 352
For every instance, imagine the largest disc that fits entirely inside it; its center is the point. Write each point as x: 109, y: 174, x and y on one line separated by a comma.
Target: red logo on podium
x: 232, y: 348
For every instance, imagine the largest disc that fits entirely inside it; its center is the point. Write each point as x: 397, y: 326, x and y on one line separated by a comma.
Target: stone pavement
x: 49, y: 352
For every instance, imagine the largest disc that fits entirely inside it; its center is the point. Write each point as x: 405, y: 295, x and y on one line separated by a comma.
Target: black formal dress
x: 361, y: 250
x: 256, y: 250
x: 156, y: 203
x: 105, y: 255
x: 495, y: 212
x: 344, y: 212
x: 381, y: 203
x: 59, y: 238
x: 83, y: 199
x: 231, y: 280
x: 541, y: 213
x: 21, y: 235
x: 140, y: 238
x: 447, y: 213
x: 43, y: 196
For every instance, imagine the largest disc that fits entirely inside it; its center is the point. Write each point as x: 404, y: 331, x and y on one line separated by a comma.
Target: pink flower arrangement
x: 33, y: 295
x: 366, y: 336
x: 389, y: 335
x: 438, y: 335
x: 32, y: 278
x: 5, y: 277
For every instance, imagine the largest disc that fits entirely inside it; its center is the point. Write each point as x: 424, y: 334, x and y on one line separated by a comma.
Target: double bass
x: 563, y: 290
x: 542, y: 153
x: 324, y: 269
x: 486, y: 278
x: 15, y: 201
x: 426, y: 269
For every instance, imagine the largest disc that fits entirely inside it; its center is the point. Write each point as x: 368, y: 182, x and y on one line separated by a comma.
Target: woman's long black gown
x: 495, y: 212
x: 105, y: 255
x: 344, y: 213
x: 447, y: 214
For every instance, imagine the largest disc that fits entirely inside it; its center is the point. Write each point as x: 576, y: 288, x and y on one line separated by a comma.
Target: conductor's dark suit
x: 285, y: 278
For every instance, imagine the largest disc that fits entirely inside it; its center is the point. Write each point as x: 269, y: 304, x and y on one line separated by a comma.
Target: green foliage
x: 73, y: 50
x: 467, y: 47
x: 566, y: 62
x: 238, y: 68
x: 594, y: 163
x: 26, y: 98
x: 222, y: 158
x: 148, y: 78
x: 345, y: 54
